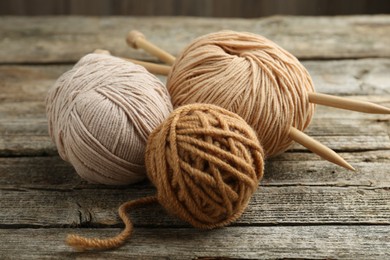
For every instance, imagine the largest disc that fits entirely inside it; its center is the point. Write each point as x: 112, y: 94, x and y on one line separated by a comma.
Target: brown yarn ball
x: 100, y: 114
x: 206, y: 162
x: 249, y: 75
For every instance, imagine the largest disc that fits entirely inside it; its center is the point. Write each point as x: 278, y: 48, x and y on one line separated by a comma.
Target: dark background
x: 207, y: 8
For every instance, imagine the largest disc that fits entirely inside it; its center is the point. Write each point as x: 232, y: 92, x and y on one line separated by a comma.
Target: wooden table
x: 305, y: 207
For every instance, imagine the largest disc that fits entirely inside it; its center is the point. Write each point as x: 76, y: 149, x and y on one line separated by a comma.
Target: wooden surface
x: 304, y: 208
x: 53, y: 40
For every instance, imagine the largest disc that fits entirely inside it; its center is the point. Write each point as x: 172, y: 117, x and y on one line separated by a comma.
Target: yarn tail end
x: 81, y: 244
x: 75, y: 242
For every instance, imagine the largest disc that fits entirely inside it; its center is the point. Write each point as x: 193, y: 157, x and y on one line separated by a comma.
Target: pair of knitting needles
x: 137, y: 40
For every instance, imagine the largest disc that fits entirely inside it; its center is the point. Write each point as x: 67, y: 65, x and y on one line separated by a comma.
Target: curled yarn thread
x: 205, y: 161
x: 82, y: 243
x: 249, y: 75
x: 100, y: 115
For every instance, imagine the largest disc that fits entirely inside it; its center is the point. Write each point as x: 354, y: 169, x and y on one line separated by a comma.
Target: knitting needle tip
x: 136, y: 40
x: 318, y: 148
x: 346, y: 103
x: 133, y: 37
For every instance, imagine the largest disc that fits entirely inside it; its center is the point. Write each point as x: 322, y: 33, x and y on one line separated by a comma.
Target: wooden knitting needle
x: 318, y: 148
x: 137, y: 40
x: 151, y: 67
x: 349, y: 104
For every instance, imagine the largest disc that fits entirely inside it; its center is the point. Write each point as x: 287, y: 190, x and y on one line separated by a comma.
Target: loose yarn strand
x: 82, y: 243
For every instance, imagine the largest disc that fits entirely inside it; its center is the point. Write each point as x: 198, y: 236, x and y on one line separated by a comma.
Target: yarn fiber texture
x: 205, y: 163
x: 100, y: 114
x: 249, y: 75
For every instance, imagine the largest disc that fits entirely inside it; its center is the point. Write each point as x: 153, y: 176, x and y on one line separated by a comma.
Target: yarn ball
x: 205, y: 162
x: 249, y: 75
x: 100, y: 114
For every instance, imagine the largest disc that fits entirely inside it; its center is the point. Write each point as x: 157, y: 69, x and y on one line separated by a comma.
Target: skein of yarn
x: 249, y: 75
x: 205, y: 161
x: 100, y: 114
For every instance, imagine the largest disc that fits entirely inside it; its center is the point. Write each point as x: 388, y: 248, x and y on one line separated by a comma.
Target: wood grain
x: 268, y: 206
x: 26, y: 133
x: 277, y: 242
x: 305, y: 206
x: 27, y: 136
x: 341, y: 77
x: 23, y: 126
x: 66, y: 39
x: 288, y: 169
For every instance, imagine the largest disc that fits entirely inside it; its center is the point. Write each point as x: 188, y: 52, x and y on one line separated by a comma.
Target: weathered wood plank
x: 35, y: 110
x: 24, y: 88
x: 26, y: 110
x: 296, y: 242
x: 25, y: 137
x: 304, y: 208
x: 23, y: 130
x: 28, y: 83
x: 66, y: 39
x: 288, y: 169
x: 341, y: 77
x: 269, y: 206
x: 350, y: 77
x: 30, y: 137
x: 23, y: 107
x: 310, y: 170
x: 347, y: 143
